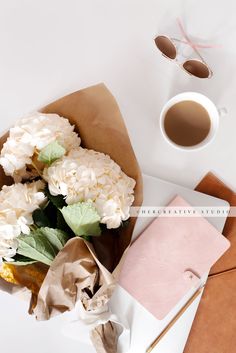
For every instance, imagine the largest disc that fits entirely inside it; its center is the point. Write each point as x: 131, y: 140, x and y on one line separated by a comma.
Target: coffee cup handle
x: 222, y: 111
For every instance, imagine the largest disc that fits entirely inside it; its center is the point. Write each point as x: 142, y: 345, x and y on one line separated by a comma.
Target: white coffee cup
x: 205, y: 102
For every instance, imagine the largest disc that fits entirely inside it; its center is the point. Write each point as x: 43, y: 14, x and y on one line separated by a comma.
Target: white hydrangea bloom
x: 17, y: 203
x: 88, y: 175
x: 29, y: 136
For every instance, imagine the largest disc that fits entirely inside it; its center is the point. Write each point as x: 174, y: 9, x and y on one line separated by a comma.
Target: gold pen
x: 173, y: 321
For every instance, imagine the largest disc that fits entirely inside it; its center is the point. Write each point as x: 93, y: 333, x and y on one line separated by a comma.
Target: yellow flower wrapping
x: 30, y: 276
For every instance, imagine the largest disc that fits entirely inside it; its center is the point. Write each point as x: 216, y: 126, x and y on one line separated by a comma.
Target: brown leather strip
x: 222, y: 273
x: 213, y: 186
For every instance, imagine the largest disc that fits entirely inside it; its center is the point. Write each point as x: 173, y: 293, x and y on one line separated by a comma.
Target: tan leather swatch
x: 214, y: 327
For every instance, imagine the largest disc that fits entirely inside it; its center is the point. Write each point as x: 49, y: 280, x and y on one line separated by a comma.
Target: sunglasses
x: 169, y: 48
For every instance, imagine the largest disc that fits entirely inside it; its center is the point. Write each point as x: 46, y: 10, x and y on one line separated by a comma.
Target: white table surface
x: 53, y: 47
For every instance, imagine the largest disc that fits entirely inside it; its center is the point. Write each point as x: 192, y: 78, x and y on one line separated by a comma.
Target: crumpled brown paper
x: 83, y: 270
x: 105, y: 337
x: 75, y: 274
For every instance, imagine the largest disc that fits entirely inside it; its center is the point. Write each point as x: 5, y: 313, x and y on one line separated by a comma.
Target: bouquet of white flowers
x: 63, y: 219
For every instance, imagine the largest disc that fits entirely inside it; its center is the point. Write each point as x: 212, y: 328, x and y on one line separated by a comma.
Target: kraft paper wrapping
x: 83, y: 271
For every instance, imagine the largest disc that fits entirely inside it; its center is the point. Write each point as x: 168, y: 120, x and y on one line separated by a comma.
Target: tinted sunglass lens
x: 196, y: 68
x: 165, y: 45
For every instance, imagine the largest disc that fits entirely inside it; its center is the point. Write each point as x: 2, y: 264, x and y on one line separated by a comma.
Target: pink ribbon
x: 188, y: 40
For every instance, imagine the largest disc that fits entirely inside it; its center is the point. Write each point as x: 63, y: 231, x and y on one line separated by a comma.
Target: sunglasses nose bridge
x: 184, y: 50
x: 180, y: 58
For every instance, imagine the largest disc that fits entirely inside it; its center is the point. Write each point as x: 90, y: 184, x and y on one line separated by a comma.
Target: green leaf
x: 42, y: 245
x: 58, y: 201
x: 82, y: 218
x: 56, y: 237
x: 20, y: 260
x: 40, y: 218
x: 51, y: 153
x: 37, y: 248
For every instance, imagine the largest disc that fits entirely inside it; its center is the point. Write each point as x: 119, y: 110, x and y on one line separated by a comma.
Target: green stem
x: 33, y: 227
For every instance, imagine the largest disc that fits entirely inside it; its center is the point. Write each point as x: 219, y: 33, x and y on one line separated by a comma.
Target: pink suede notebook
x: 168, y: 259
